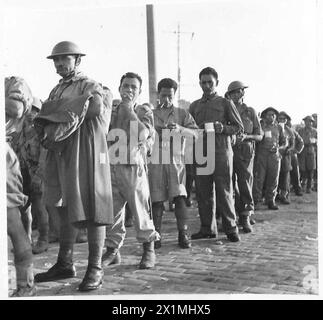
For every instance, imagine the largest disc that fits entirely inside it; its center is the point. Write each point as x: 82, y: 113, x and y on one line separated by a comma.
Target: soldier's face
x: 130, y: 89
x: 282, y: 119
x: 166, y: 96
x: 270, y: 116
x: 64, y: 64
x: 208, y: 83
x: 308, y: 123
x: 237, y: 95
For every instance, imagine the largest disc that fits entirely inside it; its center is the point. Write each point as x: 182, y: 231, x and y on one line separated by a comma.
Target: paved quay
x: 279, y: 257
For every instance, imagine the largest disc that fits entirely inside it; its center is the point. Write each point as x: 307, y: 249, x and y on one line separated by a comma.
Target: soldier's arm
x: 189, y: 127
x: 145, y: 119
x: 257, y: 133
x: 282, y: 139
x: 299, y: 143
x: 291, y: 144
x: 234, y: 125
x: 96, y: 105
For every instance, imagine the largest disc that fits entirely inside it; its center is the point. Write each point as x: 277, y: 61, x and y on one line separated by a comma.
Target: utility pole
x: 178, y: 60
x: 151, y: 53
x: 178, y: 32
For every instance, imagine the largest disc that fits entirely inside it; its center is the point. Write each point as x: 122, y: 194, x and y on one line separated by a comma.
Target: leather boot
x: 148, y: 258
x: 181, y: 220
x: 272, y: 205
x: 93, y: 278
x: 111, y: 256
x: 62, y: 269
x: 158, y: 210
x: 40, y: 246
x: 246, y: 225
x: 298, y: 192
x: 183, y: 239
x: 284, y: 200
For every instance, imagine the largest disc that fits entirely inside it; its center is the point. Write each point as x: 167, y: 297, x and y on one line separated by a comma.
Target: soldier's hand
x: 174, y: 127
x: 241, y: 137
x: 274, y: 149
x: 126, y: 101
x: 218, y: 127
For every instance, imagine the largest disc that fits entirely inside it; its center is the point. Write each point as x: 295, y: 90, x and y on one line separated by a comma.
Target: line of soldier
x: 77, y: 125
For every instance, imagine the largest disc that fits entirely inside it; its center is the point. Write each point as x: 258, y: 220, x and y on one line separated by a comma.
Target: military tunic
x: 129, y: 175
x: 167, y: 180
x: 243, y: 160
x: 268, y: 162
x: 211, y: 109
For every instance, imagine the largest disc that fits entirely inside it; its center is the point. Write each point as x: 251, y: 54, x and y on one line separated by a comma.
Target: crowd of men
x: 82, y: 161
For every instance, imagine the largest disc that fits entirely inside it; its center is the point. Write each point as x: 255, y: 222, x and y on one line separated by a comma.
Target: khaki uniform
x: 211, y: 109
x: 32, y: 157
x: 167, y: 181
x: 268, y: 162
x: 295, y: 173
x: 307, y: 158
x: 130, y: 180
x: 243, y: 160
x: 286, y: 163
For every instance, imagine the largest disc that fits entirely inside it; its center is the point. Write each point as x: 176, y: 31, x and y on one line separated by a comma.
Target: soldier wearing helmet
x: 307, y: 158
x: 18, y: 100
x: 286, y: 161
x: 244, y: 153
x: 77, y: 177
x: 268, y: 159
x: 32, y: 156
x: 298, y: 147
x: 314, y: 115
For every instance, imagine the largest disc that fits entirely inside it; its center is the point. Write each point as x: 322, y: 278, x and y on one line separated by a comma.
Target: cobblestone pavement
x: 279, y: 257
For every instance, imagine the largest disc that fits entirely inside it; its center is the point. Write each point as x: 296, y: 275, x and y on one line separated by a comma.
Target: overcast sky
x: 269, y: 45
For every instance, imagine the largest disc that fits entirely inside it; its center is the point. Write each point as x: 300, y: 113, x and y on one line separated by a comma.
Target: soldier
x: 244, y: 153
x: 307, y: 158
x: 314, y: 115
x: 286, y: 161
x: 32, y: 157
x: 298, y: 147
x: 77, y: 176
x: 18, y: 100
x: 268, y: 158
x: 167, y: 180
x: 221, y: 120
x: 130, y: 132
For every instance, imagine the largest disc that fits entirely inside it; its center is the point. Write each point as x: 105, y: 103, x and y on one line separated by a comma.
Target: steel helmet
x: 310, y: 118
x: 36, y: 103
x: 65, y: 48
x: 236, y: 85
x: 284, y: 114
x: 263, y: 114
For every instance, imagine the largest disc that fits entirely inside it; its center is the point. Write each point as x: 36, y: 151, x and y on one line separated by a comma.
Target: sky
x: 269, y: 45
x: 272, y: 46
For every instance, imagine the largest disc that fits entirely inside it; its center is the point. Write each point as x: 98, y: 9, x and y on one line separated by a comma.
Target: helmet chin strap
x: 72, y: 73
